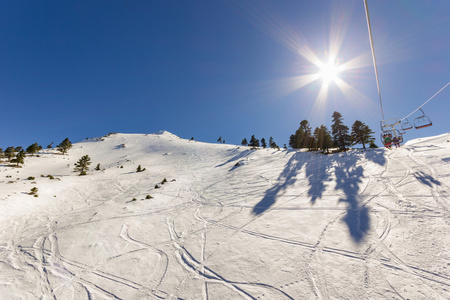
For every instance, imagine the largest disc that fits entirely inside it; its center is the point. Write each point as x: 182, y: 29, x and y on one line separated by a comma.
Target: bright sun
x: 329, y: 72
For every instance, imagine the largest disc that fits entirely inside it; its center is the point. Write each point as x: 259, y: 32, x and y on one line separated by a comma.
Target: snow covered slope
x: 229, y: 223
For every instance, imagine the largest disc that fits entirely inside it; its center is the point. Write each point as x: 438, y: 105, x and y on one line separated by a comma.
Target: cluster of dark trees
x: 254, y: 142
x: 339, y: 137
x: 16, y: 155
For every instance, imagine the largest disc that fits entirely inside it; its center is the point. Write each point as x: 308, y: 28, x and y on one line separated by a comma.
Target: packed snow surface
x: 229, y: 223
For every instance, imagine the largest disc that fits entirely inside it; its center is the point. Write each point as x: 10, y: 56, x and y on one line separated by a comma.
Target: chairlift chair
x: 422, y: 121
x: 406, y: 125
x: 396, y: 137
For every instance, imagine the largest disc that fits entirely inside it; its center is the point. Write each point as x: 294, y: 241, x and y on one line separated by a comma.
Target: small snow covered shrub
x: 164, y: 181
x: 140, y: 169
x: 31, y: 178
x: 33, y: 191
x: 148, y: 197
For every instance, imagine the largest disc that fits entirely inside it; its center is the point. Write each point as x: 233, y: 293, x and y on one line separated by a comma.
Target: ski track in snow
x: 280, y: 225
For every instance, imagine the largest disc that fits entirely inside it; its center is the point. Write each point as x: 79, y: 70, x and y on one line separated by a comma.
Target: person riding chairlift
x: 387, y: 140
x: 396, y: 142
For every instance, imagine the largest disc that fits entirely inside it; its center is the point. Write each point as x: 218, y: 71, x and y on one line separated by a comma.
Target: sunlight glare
x: 329, y: 72
x: 324, y: 68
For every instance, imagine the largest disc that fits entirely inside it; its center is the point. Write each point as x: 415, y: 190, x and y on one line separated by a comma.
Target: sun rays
x: 329, y: 72
x: 323, y: 69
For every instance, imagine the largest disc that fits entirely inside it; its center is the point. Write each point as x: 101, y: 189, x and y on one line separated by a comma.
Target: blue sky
x: 206, y: 69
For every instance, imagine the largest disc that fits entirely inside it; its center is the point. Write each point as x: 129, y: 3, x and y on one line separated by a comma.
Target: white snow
x: 279, y: 225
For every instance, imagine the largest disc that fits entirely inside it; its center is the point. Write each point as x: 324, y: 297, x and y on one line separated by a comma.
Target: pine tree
x: 361, y: 134
x: 19, y: 158
x: 263, y: 143
x: 82, y: 165
x: 373, y: 145
x: 301, y: 138
x: 97, y: 168
x: 323, y: 138
x: 311, y: 143
x: 9, y: 153
x: 33, y: 148
x: 327, y: 140
x: 272, y: 143
x: 244, y: 142
x: 219, y: 139
x: 254, y: 142
x: 341, y: 138
x: 318, y: 138
x: 293, y: 141
x: 64, y: 146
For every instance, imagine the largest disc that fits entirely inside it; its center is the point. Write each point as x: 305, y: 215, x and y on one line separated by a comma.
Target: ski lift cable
x: 373, y: 55
x: 427, y: 101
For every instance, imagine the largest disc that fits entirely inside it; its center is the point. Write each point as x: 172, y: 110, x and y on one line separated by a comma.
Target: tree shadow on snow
x: 320, y: 169
x: 348, y: 179
x: 426, y: 179
x: 446, y: 159
x: 376, y: 156
x: 237, y: 157
x: 318, y: 173
x: 286, y: 179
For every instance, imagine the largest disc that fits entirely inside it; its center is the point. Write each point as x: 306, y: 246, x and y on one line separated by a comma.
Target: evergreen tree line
x: 339, y: 137
x: 254, y: 142
x: 16, y: 155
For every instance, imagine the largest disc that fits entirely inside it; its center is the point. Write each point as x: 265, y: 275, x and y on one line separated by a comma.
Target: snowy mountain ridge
x: 218, y: 221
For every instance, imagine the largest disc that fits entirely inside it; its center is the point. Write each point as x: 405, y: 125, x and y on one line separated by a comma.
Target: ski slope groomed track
x: 229, y: 223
